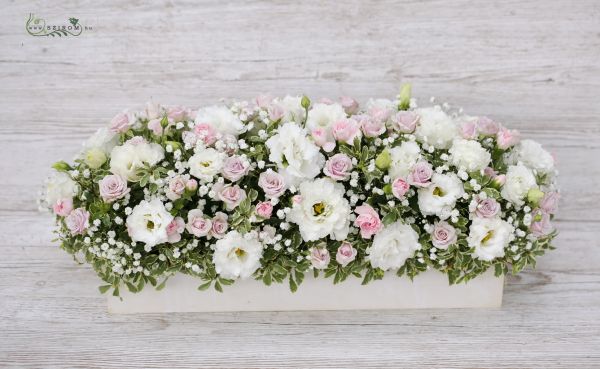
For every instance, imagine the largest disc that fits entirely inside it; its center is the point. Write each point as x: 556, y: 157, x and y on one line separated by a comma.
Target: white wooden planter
x: 428, y: 290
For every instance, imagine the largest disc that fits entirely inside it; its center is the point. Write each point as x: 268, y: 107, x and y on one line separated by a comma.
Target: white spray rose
x: 436, y: 128
x: 323, y: 211
x: 403, y: 158
x: 489, y: 237
x: 392, y: 246
x: 206, y: 164
x: 236, y: 256
x: 127, y: 159
x: 440, y: 196
x: 469, y: 155
x: 519, y: 180
x: 533, y: 155
x: 297, y: 157
x: 324, y: 116
x: 60, y: 186
x: 221, y: 118
x: 148, y: 222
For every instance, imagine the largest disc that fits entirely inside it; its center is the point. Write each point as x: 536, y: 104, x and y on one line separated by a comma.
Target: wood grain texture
x: 531, y: 64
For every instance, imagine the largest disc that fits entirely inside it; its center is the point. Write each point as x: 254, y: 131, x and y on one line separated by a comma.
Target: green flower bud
x: 383, y: 160
x: 61, y: 166
x: 534, y: 196
x: 404, y: 97
x: 305, y: 102
x: 94, y: 158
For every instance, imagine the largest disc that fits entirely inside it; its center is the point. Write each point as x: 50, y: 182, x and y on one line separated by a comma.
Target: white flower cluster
x: 276, y: 186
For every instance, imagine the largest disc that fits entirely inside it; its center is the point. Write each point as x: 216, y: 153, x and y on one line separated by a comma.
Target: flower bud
x: 404, y: 97
x: 94, y: 158
x: 383, y: 160
x: 534, y: 196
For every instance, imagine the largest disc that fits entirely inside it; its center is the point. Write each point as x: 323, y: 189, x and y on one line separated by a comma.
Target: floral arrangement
x: 276, y: 188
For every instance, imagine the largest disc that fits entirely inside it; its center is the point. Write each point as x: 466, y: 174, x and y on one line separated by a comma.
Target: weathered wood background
x: 534, y: 65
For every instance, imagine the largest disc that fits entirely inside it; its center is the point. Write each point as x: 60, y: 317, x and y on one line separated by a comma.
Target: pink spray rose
x: 191, y: 185
x: 264, y: 209
x: 235, y: 167
x: 405, y: 121
x: 345, y: 254
x: 487, y: 208
x: 272, y: 183
x: 63, y: 207
x: 112, y: 188
x: 540, y: 223
x: 399, y: 188
x: 175, y: 229
x: 346, y: 130
x: 276, y: 112
x: 197, y: 224
x: 206, y: 133
x: 367, y: 220
x: 78, y: 221
x: 176, y: 188
x: 219, y: 225
x: 380, y: 114
x: 155, y: 126
x: 468, y: 130
x: 120, y: 123
x: 421, y: 174
x: 232, y: 196
x: 349, y: 104
x: 549, y: 203
x: 338, y: 167
x: 370, y: 127
x: 178, y: 113
x: 319, y: 257
x: 443, y: 235
x: 506, y: 138
x: 322, y: 139
x: 263, y: 100
x: 487, y: 127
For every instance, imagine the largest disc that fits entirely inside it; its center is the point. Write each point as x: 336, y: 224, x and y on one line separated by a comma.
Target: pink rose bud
x: 319, y: 257
x: 120, y: 123
x: 264, y: 209
x: 176, y: 188
x: 276, y: 112
x: 549, y: 202
x: 78, y: 221
x: 349, y: 104
x: 263, y: 100
x: 499, y: 180
x: 175, y: 229
x: 367, y: 220
x: 155, y: 126
x: 468, y: 130
x: 297, y: 199
x: 272, y: 183
x: 219, y: 225
x: 369, y: 126
x: 338, y: 167
x: 197, y: 224
x: 153, y: 110
x: 540, y: 224
x: 232, y: 196
x: 206, y: 133
x: 443, y: 235
x: 399, y: 188
x: 235, y: 167
x: 178, y: 113
x: 506, y: 138
x: 112, y: 188
x: 346, y: 130
x: 487, y: 127
x: 421, y: 174
x: 405, y: 121
x: 326, y: 101
x: 63, y: 207
x: 345, y: 254
x: 191, y: 185
x: 487, y: 208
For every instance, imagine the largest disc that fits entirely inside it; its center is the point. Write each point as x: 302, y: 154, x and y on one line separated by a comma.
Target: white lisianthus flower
x: 60, y: 186
x: 489, y: 237
x: 127, y: 159
x: 236, y: 256
x: 519, y: 180
x: 324, y: 116
x: 297, y: 157
x: 436, y: 128
x: 392, y: 246
x: 403, y: 158
x: 440, y: 197
x: 292, y: 109
x: 533, y: 155
x: 469, y: 155
x: 103, y: 139
x: 206, y: 164
x: 322, y: 211
x: 148, y: 222
x: 381, y: 104
x: 221, y: 118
